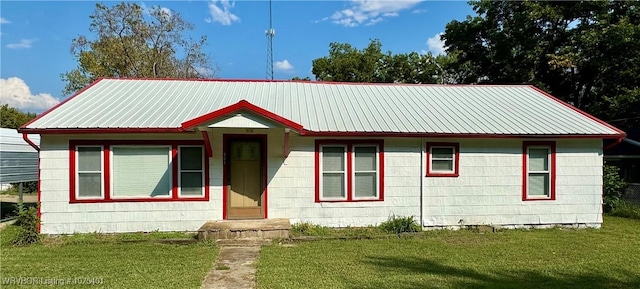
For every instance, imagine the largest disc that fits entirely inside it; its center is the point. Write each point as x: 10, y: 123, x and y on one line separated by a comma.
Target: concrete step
x: 245, y: 229
x: 243, y: 242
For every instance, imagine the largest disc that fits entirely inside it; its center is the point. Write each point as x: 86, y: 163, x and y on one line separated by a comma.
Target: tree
x: 128, y: 45
x: 347, y: 63
x: 297, y: 78
x: 13, y: 118
x: 586, y: 53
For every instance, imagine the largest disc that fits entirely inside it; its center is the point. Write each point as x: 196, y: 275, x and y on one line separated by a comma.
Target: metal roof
x: 326, y: 107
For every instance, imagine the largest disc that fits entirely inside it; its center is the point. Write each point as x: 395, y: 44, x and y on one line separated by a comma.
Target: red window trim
x: 106, y: 144
x: 525, y: 169
x: 349, y: 144
x: 456, y: 161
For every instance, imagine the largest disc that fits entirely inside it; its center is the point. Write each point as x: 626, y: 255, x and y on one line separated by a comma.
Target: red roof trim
x: 450, y: 135
x: 621, y: 133
x: 100, y: 130
x: 243, y: 104
x: 320, y: 133
x: 59, y: 104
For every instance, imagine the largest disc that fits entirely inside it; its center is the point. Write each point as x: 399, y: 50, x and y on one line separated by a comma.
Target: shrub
x: 309, y: 229
x: 28, y: 232
x: 613, y: 187
x: 398, y: 224
x: 625, y: 209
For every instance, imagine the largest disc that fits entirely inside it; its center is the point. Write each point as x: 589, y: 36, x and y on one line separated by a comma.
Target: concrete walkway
x: 235, y: 267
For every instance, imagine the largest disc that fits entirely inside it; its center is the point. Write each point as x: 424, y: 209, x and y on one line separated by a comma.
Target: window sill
x: 138, y: 200
x: 538, y: 199
x: 450, y: 175
x: 349, y: 201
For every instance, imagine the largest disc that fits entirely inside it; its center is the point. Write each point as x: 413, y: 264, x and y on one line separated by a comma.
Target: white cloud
x: 419, y: 11
x: 166, y: 10
x: 222, y: 13
x: 4, y: 20
x: 23, y: 44
x: 16, y: 93
x: 435, y: 44
x: 284, y: 66
x: 369, y: 12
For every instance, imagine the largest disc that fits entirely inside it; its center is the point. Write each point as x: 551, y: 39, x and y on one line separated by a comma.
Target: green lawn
x: 115, y: 261
x: 554, y: 258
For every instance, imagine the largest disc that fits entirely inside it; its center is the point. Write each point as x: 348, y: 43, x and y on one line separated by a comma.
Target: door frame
x: 226, y: 139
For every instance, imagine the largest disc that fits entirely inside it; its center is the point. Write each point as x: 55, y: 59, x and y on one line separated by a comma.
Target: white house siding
x: 292, y: 188
x: 61, y: 217
x: 489, y: 188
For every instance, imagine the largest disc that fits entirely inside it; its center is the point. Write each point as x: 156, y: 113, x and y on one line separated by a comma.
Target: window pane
x: 365, y: 185
x: 191, y: 158
x: 365, y: 158
x: 245, y: 150
x: 333, y: 185
x: 89, y: 184
x: 538, y: 185
x: 333, y: 159
x: 442, y: 165
x: 538, y: 159
x: 89, y: 159
x: 141, y: 171
x: 442, y: 153
x: 191, y: 183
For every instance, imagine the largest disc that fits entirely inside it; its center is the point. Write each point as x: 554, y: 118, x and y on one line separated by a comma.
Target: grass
x: 553, y: 258
x: 111, y: 261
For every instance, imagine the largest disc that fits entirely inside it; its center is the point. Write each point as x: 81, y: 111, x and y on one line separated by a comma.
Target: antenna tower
x: 270, y: 34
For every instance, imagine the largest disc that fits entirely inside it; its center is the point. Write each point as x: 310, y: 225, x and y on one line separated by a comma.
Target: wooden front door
x: 245, y: 178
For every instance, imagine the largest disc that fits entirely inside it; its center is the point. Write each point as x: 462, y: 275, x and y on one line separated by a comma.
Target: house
x: 127, y: 155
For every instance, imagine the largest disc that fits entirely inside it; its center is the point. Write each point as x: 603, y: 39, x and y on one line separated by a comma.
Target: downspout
x: 619, y: 140
x: 25, y: 137
x: 422, y: 174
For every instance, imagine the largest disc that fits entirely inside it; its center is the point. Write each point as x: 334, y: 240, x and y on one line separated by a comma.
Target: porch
x: 245, y: 229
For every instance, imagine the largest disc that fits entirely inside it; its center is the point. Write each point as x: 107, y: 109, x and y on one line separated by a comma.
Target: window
x: 538, y: 171
x: 191, y: 175
x: 334, y: 172
x: 138, y: 171
x: 365, y: 172
x: 443, y: 159
x: 349, y: 171
x: 89, y: 179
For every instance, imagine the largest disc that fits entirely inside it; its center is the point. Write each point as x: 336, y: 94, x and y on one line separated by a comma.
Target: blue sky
x: 36, y: 36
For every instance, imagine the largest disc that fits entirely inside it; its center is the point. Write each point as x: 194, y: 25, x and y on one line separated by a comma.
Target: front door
x: 245, y: 177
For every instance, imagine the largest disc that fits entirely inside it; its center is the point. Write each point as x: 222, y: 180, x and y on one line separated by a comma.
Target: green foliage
x: 14, y: 118
x: 349, y: 64
x: 309, y: 229
x: 297, y: 78
x: 27, y: 188
x: 28, y: 222
x: 398, y: 224
x: 625, y: 209
x: 128, y: 45
x: 613, y: 186
x: 586, y: 53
